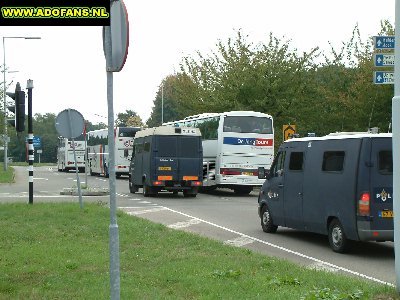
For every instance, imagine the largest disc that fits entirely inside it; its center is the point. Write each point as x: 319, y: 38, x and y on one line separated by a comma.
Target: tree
x: 173, y: 99
x: 123, y: 118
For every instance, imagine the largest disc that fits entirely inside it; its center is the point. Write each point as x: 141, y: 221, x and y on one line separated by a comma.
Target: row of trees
x: 319, y: 92
x: 44, y: 127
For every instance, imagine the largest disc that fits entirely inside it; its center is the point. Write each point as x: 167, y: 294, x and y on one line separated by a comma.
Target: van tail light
x: 364, y: 205
x: 196, y: 183
x: 158, y: 183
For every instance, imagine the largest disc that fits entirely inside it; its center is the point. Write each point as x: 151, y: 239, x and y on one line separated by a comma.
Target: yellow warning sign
x: 288, y: 131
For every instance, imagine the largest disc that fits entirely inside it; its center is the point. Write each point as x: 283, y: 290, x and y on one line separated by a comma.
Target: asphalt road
x: 220, y: 215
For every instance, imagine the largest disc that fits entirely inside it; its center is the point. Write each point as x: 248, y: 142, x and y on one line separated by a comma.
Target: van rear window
x: 182, y: 146
x: 167, y: 146
x: 333, y: 161
x: 385, y: 162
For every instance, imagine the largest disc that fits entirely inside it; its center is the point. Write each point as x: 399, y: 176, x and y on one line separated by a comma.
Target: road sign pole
x: 396, y: 146
x: 113, y: 228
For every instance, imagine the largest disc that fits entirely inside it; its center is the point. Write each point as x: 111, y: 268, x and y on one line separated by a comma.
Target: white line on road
x: 184, y: 224
x: 145, y: 211
x: 321, y: 267
x: 240, y: 241
x: 316, y: 260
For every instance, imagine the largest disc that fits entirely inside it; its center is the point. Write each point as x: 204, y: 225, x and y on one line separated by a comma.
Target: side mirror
x: 263, y: 173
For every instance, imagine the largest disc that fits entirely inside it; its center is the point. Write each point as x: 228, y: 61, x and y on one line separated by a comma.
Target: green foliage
x: 319, y: 92
x: 327, y: 293
x: 6, y: 176
x: 128, y: 118
x: 58, y: 251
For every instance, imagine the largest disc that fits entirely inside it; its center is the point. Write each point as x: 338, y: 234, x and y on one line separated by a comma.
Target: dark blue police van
x: 167, y: 159
x: 340, y: 185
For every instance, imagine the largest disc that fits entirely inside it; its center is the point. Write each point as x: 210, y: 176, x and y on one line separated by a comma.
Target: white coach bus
x: 65, y: 154
x: 235, y: 145
x: 97, y: 150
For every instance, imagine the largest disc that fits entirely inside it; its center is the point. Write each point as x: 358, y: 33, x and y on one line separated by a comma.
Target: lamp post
x: 162, y: 103
x: 4, y: 92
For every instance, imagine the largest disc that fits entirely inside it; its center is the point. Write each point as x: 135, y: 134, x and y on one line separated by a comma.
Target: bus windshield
x: 248, y: 124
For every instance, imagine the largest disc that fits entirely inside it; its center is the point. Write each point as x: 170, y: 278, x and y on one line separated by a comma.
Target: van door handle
x: 280, y: 185
x: 300, y: 194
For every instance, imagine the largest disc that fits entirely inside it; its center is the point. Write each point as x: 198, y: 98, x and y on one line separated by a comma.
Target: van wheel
x: 337, y: 238
x: 132, y: 188
x: 190, y: 193
x: 147, y: 190
x: 266, y: 221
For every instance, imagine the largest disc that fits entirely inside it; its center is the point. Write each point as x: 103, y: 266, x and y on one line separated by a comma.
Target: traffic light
x: 18, y: 108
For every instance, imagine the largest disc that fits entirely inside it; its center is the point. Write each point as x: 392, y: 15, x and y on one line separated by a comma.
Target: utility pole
x: 396, y: 144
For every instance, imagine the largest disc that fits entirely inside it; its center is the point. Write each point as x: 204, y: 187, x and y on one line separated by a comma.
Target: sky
x: 67, y: 65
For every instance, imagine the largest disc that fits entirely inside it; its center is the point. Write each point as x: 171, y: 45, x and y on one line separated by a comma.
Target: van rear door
x: 166, y: 161
x: 190, y: 153
x: 381, y: 184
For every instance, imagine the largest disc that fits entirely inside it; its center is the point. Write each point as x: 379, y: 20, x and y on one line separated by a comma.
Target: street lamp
x: 4, y: 92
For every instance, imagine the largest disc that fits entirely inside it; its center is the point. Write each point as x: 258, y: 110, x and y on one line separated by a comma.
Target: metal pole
x: 86, y: 158
x: 5, y: 108
x: 396, y: 145
x: 78, y: 182
x: 162, y: 104
x: 4, y: 93
x: 114, y: 235
x: 29, y: 86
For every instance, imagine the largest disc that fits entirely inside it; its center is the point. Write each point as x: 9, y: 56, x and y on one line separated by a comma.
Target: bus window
x: 247, y: 124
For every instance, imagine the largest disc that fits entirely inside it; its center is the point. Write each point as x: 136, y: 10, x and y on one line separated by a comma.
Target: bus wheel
x: 266, y: 221
x: 243, y: 190
x: 337, y: 238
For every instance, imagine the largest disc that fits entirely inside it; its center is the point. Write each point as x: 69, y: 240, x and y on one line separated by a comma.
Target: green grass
x: 58, y: 251
x: 6, y: 176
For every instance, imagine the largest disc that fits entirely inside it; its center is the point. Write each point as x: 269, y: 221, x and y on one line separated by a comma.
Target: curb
x: 85, y: 192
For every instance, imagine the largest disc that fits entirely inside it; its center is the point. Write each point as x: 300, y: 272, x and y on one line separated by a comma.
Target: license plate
x: 247, y: 173
x: 164, y: 168
x: 386, y: 214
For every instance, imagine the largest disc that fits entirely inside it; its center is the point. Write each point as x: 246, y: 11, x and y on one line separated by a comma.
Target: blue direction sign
x: 37, y: 142
x: 384, y: 42
x: 384, y: 60
x: 383, y: 77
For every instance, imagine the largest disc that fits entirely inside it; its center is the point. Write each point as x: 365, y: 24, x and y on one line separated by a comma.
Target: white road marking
x: 240, y: 241
x: 315, y: 260
x: 144, y: 202
x: 37, y: 178
x: 321, y: 267
x: 184, y: 224
x: 145, y: 211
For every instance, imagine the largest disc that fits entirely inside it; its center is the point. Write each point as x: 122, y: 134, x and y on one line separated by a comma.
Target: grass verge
x: 6, y: 176
x: 57, y: 251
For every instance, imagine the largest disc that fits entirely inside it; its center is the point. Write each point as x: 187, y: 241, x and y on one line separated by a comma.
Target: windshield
x: 128, y: 131
x: 248, y: 124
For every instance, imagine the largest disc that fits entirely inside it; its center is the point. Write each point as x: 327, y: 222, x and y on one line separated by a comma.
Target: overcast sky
x: 67, y: 65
